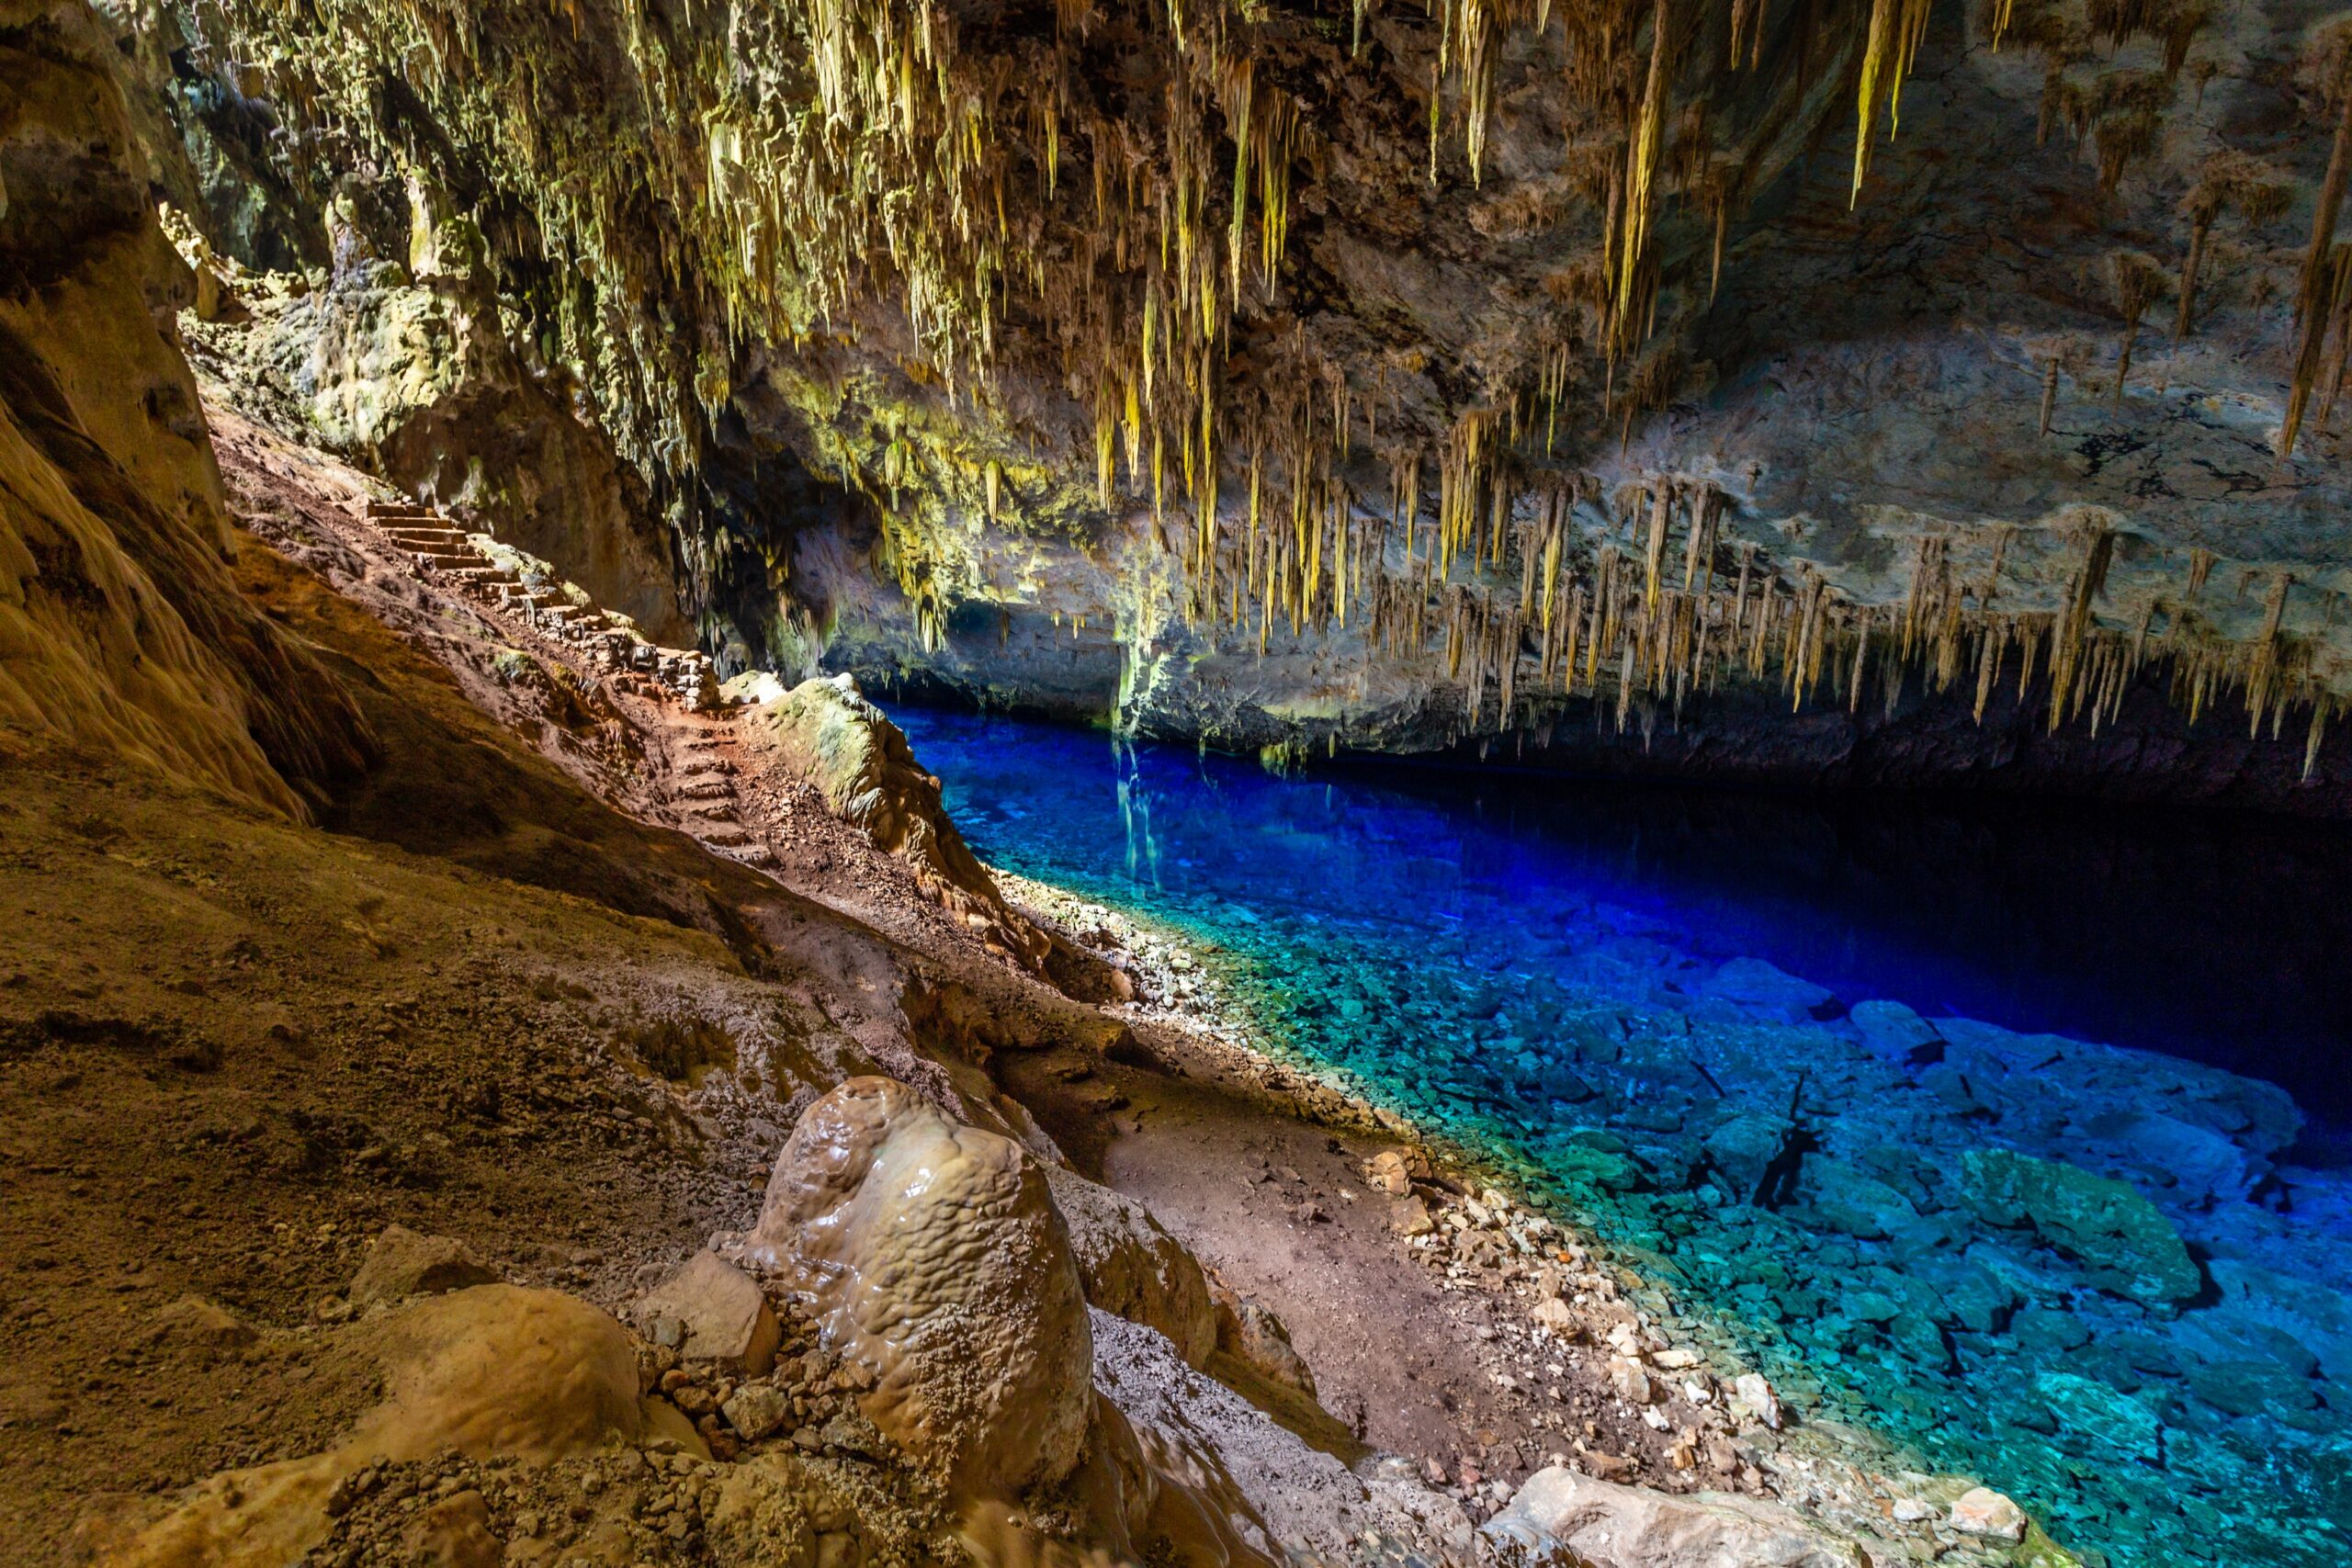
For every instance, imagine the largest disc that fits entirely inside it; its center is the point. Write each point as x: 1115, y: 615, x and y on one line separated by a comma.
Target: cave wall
x: 120, y: 627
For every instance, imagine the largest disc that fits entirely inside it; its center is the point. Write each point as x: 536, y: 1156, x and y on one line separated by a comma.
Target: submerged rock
x: 1895, y: 1031
x: 1752, y: 984
x: 2118, y: 1237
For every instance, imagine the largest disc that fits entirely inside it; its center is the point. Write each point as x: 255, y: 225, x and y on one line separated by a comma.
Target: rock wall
x: 120, y: 627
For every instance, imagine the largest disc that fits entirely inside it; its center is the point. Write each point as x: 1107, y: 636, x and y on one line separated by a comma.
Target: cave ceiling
x: 1604, y: 350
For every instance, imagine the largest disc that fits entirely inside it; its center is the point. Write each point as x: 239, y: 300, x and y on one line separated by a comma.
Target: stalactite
x: 2313, y: 285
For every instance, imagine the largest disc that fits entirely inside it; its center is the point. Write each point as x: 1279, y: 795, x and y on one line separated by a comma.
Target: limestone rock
x: 2098, y: 1421
x: 455, y: 1533
x: 1752, y: 984
x: 1848, y: 1200
x: 1753, y: 1391
x: 401, y: 1263
x: 1232, y: 1485
x: 1747, y: 1147
x: 1251, y: 1334
x: 494, y: 1371
x: 1982, y: 1511
x: 194, y: 1323
x: 726, y: 1317
x: 1410, y: 1217
x: 1629, y: 1382
x: 756, y: 1410
x: 934, y: 1261
x: 1393, y: 1171
x: 2117, y: 1237
x: 825, y: 731
x: 1610, y: 1526
x: 1131, y: 1266
x: 1893, y: 1030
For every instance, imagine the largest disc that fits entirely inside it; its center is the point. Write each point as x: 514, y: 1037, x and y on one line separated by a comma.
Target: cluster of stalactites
x: 1530, y: 601
x: 786, y: 165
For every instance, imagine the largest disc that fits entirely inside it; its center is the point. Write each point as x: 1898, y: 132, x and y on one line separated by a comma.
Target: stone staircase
x: 438, y: 549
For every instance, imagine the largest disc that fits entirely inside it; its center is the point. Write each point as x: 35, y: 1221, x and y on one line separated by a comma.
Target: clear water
x: 1537, y: 967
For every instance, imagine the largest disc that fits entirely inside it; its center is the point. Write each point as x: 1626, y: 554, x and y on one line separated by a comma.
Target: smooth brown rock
x: 724, y: 1316
x: 402, y: 1263
x: 935, y: 1262
x: 1252, y: 1334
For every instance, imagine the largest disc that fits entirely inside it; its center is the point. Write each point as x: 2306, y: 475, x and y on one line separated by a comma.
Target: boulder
x: 206, y: 1328
x: 1980, y: 1510
x: 1845, y: 1199
x: 1393, y: 1171
x: 1129, y: 1264
x: 1753, y: 1390
x: 1252, y: 1334
x: 756, y: 1410
x: 825, y: 732
x: 1896, y: 1032
x: 1759, y: 988
x: 934, y: 1259
x: 724, y: 1317
x: 1410, y: 1217
x: 2197, y: 1163
x: 2097, y: 1422
x: 402, y: 1263
x: 495, y: 1371
x: 2245, y: 1386
x: 1744, y: 1147
x: 2119, y: 1238
x: 1561, y: 1513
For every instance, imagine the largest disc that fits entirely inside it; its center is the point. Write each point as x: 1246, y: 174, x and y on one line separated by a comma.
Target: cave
x: 965, y: 783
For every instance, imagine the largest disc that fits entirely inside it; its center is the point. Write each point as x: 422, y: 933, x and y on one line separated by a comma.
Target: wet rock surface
x: 938, y: 1265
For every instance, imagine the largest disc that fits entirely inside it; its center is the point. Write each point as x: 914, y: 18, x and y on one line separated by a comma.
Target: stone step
x: 401, y: 512
x: 485, y: 576
x: 426, y: 536
x: 709, y: 787
x: 729, y: 837
x: 442, y: 555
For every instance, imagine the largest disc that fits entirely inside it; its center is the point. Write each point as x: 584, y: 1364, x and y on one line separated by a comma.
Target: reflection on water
x: 1568, y: 975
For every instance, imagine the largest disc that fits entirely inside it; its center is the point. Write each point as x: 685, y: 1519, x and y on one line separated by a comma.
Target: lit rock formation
x: 933, y: 1256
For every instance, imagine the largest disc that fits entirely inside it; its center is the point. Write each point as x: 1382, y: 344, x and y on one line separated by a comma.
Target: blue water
x: 1535, y: 967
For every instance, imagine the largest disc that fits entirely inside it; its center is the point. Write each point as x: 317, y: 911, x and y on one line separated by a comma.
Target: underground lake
x: 2013, y: 1134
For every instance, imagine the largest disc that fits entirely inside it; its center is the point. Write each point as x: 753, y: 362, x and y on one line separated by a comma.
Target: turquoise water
x: 1979, y: 1127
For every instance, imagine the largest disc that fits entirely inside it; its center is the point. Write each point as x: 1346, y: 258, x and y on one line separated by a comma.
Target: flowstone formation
x: 1916, y: 382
